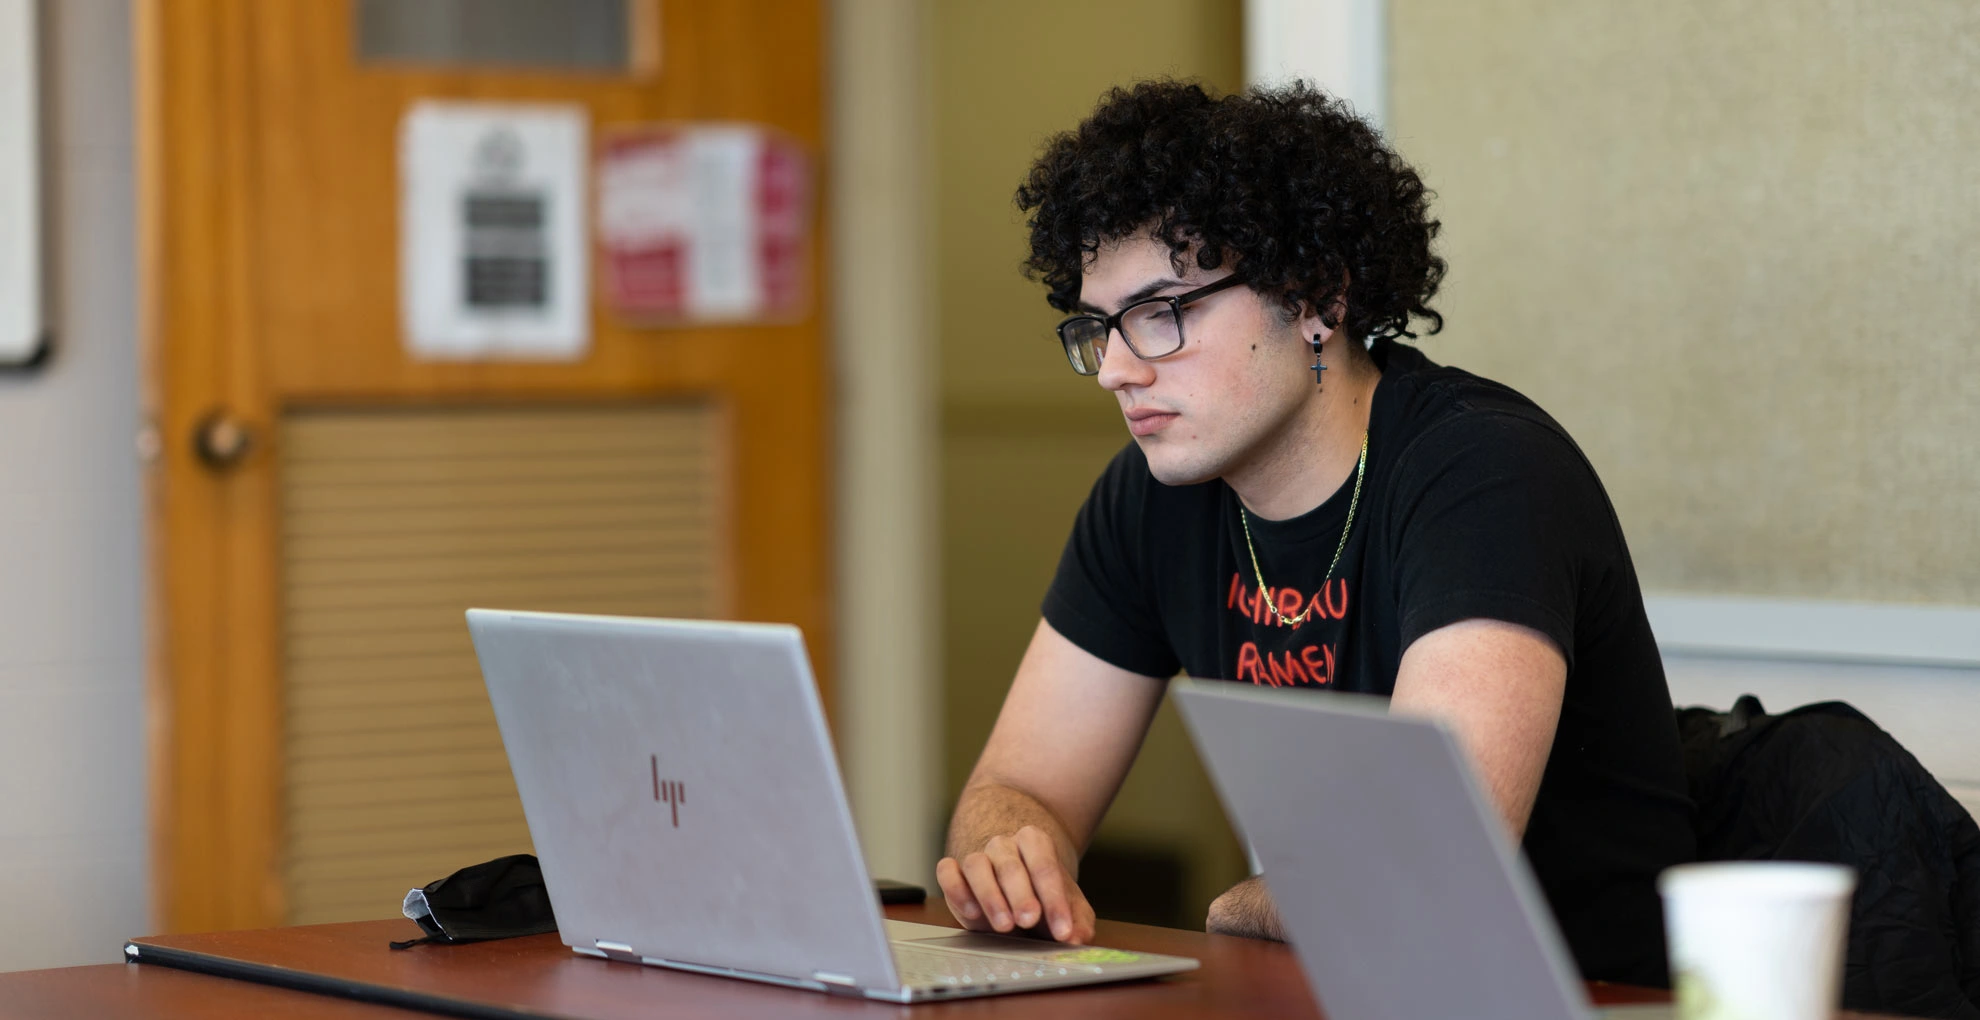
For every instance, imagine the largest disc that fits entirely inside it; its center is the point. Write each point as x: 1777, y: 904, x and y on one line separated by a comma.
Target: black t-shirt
x: 1476, y: 504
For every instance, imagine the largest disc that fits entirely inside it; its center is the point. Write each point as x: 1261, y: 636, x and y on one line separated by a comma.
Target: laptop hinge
x: 617, y: 951
x: 837, y: 984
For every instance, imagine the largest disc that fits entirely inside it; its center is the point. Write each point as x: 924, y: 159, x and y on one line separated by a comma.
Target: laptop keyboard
x: 920, y: 965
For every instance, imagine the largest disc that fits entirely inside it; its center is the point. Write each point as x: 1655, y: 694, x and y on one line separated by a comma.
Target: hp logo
x: 668, y: 791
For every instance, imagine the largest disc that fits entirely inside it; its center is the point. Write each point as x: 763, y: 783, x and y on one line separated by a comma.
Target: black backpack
x: 1824, y: 783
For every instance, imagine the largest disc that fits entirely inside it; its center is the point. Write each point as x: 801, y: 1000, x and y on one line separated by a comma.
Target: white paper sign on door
x: 492, y: 252
x: 704, y: 223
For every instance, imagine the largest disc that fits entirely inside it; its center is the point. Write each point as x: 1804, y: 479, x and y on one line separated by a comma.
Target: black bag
x: 501, y: 899
x: 1824, y: 783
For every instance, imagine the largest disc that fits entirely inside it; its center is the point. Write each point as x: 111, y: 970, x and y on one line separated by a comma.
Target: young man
x: 1309, y: 502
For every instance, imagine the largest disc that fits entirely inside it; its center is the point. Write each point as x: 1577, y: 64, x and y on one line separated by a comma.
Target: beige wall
x: 886, y: 404
x: 1735, y: 248
x: 1022, y: 437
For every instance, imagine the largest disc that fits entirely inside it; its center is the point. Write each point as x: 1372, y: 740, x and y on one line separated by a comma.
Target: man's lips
x: 1144, y: 421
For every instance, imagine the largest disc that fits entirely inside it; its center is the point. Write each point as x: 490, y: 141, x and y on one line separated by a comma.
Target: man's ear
x: 1325, y: 323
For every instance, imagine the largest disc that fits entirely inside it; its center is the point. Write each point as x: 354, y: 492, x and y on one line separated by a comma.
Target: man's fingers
x: 1083, y: 919
x: 1014, y: 878
x: 1016, y: 881
x: 982, y: 877
x: 1055, y: 888
x: 956, y: 893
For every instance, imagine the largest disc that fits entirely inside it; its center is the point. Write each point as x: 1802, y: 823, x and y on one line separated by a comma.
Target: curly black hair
x: 1288, y: 183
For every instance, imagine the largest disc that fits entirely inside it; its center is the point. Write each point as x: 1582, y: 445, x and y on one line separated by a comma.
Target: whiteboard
x: 21, y: 326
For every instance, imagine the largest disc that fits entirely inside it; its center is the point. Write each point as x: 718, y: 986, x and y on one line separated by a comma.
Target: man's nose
x: 1120, y: 368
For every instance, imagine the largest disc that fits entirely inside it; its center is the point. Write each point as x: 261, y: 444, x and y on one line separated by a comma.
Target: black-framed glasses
x: 1152, y: 328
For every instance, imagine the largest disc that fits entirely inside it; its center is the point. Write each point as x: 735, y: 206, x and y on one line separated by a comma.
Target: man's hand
x: 1062, y: 744
x: 1245, y: 909
x: 1014, y: 882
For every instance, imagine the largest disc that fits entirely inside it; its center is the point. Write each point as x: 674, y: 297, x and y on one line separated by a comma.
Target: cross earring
x: 1317, y: 366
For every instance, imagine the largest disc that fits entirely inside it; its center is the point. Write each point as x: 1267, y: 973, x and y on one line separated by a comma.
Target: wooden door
x: 315, y: 704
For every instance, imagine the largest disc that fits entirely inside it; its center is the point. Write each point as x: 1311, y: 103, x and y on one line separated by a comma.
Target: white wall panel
x: 74, y: 874
x: 1340, y: 45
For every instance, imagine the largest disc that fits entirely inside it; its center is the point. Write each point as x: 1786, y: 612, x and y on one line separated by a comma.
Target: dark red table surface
x: 1239, y: 978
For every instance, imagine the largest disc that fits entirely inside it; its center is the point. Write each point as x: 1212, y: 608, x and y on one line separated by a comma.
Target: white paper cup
x: 1757, y: 940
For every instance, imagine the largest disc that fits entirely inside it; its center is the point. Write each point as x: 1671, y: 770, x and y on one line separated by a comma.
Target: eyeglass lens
x: 1151, y: 329
x: 1086, y: 343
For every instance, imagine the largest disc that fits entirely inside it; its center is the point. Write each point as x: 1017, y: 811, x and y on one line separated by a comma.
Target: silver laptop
x: 686, y: 806
x: 1394, y: 877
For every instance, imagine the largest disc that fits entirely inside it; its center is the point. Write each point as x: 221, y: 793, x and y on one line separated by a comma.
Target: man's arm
x: 1068, y: 731
x: 1245, y: 909
x: 1498, y: 686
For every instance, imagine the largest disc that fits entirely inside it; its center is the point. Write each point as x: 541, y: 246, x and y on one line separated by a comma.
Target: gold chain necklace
x: 1360, y: 469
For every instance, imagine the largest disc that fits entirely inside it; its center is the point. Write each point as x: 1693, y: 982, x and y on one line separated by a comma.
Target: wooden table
x: 159, y: 993
x: 1239, y: 978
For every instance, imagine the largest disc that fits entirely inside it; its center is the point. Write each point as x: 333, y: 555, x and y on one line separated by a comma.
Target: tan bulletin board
x: 1733, y: 249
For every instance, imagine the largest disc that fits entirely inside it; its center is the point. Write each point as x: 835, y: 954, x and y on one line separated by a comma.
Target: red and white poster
x: 704, y: 223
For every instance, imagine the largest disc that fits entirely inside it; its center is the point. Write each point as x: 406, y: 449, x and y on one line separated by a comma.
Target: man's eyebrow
x: 1147, y: 290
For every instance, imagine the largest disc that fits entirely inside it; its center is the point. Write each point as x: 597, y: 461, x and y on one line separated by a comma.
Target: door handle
x: 222, y: 440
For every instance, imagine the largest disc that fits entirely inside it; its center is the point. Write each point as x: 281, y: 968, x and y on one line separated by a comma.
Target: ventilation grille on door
x: 394, y: 523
